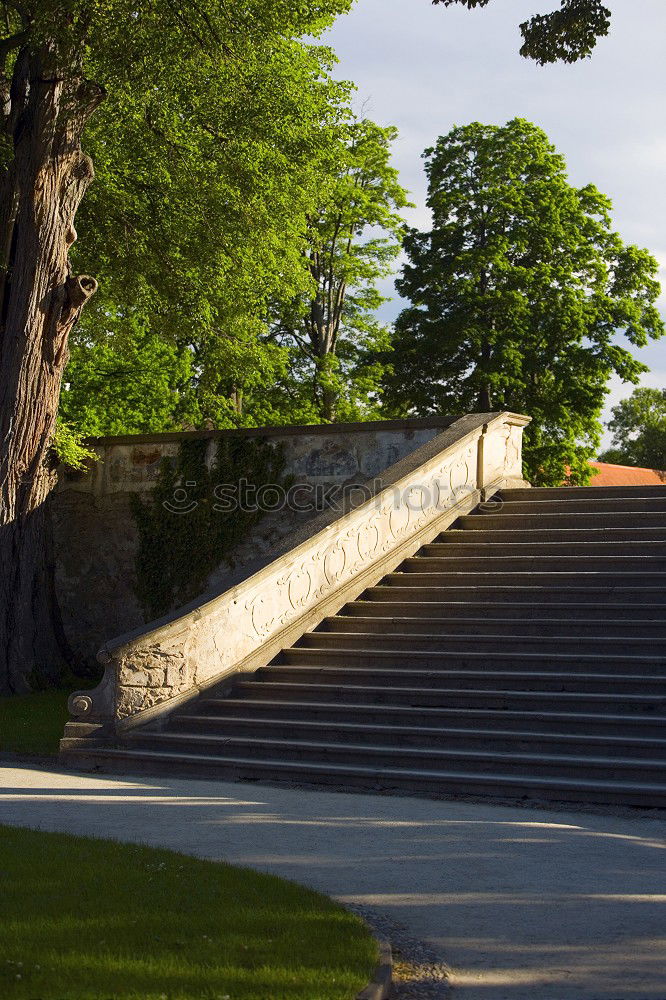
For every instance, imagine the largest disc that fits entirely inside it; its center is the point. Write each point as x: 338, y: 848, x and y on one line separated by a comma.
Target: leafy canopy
x: 352, y: 239
x: 119, y: 46
x: 567, y: 34
x: 140, y: 386
x: 259, y: 318
x: 638, y: 426
x: 518, y: 294
x: 205, y: 184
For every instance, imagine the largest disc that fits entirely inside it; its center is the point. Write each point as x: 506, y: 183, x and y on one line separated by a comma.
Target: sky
x: 425, y: 69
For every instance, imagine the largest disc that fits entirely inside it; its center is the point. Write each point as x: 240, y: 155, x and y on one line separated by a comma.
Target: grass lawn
x: 33, y: 723
x: 84, y: 919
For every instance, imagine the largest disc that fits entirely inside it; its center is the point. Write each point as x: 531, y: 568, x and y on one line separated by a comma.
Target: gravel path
x: 419, y: 974
x: 519, y: 904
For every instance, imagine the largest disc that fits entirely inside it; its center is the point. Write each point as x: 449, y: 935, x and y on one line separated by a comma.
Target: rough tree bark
x: 46, y: 105
x: 323, y: 326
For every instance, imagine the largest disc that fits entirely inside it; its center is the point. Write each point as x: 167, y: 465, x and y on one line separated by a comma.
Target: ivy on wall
x: 183, y: 532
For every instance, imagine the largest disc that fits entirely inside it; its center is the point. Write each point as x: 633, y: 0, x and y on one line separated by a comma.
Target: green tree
x: 638, y: 426
x: 229, y: 198
x: 352, y: 239
x: 518, y: 294
x: 140, y: 386
x: 58, y: 61
x: 567, y: 34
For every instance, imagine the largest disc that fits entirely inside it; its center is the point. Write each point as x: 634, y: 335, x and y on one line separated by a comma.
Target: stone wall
x: 313, y: 573
x: 95, y: 534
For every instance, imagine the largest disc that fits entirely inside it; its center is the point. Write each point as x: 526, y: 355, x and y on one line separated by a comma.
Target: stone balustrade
x: 335, y: 558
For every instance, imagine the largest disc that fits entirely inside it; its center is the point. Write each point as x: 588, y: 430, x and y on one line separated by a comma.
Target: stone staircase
x: 522, y: 654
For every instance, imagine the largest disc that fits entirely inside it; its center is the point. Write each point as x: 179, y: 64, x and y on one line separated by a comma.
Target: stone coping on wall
x: 322, y: 454
x: 277, y: 430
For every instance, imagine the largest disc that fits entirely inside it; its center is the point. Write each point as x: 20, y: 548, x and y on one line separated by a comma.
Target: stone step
x: 230, y: 723
x: 521, y: 654
x: 606, y: 726
x: 520, y: 628
x: 608, y: 565
x: 387, y: 693
x: 484, y: 534
x: 388, y: 605
x: 651, y: 578
x: 645, y: 665
x: 410, y: 588
x: 580, y: 492
x: 421, y: 758
x: 573, y: 505
x: 428, y: 670
x: 407, y: 638
x: 474, y: 547
x: 492, y: 784
x: 504, y: 521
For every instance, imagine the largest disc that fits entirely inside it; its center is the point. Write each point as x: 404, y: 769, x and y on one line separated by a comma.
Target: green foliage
x: 249, y: 320
x: 352, y: 239
x: 567, y: 34
x: 518, y: 295
x: 208, y: 150
x: 68, y: 446
x: 638, y: 426
x: 90, y: 919
x: 133, y: 384
x: 234, y: 374
x: 613, y: 456
x: 184, y: 533
x: 222, y: 165
x: 341, y: 386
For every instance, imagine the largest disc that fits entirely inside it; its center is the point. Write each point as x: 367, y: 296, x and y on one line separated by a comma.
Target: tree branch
x: 10, y: 43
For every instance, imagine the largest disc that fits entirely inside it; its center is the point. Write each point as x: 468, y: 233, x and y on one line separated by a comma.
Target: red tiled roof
x: 626, y: 475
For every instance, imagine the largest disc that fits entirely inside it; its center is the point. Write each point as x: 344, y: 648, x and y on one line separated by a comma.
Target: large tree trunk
x: 40, y: 301
x: 485, y: 400
x: 328, y: 404
x: 485, y: 395
x: 322, y: 326
x: 323, y: 333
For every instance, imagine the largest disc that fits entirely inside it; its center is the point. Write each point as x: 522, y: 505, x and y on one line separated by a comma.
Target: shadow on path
x: 520, y: 903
